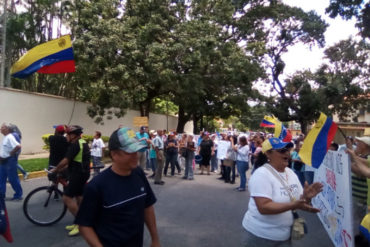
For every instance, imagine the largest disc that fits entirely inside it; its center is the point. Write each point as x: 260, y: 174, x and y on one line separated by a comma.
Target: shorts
x: 76, y: 184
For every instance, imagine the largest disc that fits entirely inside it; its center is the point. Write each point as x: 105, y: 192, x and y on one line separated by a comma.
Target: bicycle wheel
x: 44, y: 206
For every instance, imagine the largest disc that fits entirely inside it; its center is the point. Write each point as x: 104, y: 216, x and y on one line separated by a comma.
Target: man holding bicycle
x: 119, y: 200
x: 77, y: 162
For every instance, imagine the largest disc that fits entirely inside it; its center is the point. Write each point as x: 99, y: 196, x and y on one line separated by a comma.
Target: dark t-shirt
x: 206, y: 147
x: 73, y: 150
x: 114, y: 206
x: 58, y: 149
x: 171, y: 150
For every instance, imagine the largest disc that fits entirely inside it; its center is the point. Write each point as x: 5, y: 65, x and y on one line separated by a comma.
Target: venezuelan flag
x: 268, y: 122
x: 317, y: 141
x: 52, y: 57
x: 281, y: 132
x: 365, y: 226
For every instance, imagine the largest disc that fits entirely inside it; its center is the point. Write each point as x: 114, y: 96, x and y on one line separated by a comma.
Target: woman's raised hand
x: 310, y: 191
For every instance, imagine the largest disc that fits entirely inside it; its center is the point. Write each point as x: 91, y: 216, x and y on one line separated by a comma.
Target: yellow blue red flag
x: 53, y: 57
x: 317, y: 141
x: 268, y: 122
x: 280, y: 131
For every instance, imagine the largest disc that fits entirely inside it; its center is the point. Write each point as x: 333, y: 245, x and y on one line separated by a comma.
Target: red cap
x: 60, y: 128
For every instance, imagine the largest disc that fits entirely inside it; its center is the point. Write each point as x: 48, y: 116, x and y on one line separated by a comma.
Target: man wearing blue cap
x: 119, y: 200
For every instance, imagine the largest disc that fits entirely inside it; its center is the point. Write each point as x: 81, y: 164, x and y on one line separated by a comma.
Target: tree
x: 338, y: 86
x: 349, y: 9
x: 270, y: 28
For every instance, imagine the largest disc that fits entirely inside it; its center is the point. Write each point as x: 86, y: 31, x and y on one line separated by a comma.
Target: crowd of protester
x: 268, y: 161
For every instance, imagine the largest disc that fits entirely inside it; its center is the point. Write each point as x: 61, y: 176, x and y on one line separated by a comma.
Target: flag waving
x: 268, y: 122
x: 280, y: 131
x: 317, y: 141
x: 53, y: 57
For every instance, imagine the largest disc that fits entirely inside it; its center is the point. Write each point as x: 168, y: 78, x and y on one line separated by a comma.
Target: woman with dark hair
x: 206, y: 150
x: 242, y: 150
x: 275, y: 193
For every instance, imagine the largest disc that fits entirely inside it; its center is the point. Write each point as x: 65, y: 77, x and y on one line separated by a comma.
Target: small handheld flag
x: 317, y: 141
x: 280, y: 131
x: 53, y: 57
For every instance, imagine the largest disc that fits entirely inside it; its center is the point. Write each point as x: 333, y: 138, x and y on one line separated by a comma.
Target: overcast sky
x: 300, y: 57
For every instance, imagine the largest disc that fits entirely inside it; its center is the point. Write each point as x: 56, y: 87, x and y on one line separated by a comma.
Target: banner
x: 222, y: 148
x: 141, y: 121
x: 335, y: 201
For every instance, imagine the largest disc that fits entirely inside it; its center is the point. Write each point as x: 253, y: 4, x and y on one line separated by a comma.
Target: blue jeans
x: 242, y: 169
x: 97, y: 163
x: 153, y: 164
x: 300, y: 176
x: 171, y: 158
x: 21, y: 169
x: 214, y: 161
x: 189, y: 174
x: 8, y: 170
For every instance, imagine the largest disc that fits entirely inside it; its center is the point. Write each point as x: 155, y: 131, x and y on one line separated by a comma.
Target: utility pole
x: 2, y: 72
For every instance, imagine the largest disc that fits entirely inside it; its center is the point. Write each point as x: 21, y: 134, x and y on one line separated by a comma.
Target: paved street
x: 204, y: 212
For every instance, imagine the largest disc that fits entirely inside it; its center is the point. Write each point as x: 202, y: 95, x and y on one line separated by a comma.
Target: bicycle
x: 48, y: 198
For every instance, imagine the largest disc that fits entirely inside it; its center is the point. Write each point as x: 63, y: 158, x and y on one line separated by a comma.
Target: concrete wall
x: 36, y: 114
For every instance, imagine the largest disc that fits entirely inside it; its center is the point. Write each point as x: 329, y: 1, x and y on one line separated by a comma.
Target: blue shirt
x: 141, y: 135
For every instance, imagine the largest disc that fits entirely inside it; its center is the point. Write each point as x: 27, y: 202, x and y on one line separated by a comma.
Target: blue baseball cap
x: 275, y: 143
x: 125, y: 139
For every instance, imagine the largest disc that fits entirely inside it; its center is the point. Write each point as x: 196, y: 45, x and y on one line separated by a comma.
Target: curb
x: 33, y: 175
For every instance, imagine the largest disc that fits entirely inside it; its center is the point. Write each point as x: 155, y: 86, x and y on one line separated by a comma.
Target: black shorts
x: 76, y: 184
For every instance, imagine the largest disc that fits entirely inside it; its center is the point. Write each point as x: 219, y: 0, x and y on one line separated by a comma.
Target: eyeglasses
x: 282, y: 150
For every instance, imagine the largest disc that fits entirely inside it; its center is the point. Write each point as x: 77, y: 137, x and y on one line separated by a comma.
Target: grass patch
x: 39, y: 164
x: 32, y: 165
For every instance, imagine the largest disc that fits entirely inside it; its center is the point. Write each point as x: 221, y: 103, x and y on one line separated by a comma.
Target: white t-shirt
x: 9, y: 143
x: 243, y: 153
x: 96, y: 147
x: 264, y: 184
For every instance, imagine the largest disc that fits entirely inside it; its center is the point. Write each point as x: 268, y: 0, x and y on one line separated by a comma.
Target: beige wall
x: 36, y: 114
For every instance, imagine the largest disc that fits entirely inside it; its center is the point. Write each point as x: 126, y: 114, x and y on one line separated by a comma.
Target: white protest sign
x: 336, y: 198
x: 222, y: 148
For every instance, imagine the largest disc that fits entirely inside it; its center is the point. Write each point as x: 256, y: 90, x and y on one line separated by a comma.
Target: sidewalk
x: 33, y: 156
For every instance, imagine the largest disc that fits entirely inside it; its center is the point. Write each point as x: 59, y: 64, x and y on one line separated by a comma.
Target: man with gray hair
x: 8, y: 167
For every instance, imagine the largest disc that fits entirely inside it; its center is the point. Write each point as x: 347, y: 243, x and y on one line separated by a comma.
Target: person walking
x: 77, y: 163
x: 9, y: 161
x: 18, y: 137
x: 120, y: 200
x: 97, y: 152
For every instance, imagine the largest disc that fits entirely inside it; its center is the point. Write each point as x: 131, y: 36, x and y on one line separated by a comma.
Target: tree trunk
x: 182, y: 120
x: 201, y: 122
x: 303, y: 127
x: 145, y: 108
x: 195, y: 124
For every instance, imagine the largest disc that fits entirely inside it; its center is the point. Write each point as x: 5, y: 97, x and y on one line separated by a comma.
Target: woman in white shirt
x: 242, y: 150
x: 269, y: 218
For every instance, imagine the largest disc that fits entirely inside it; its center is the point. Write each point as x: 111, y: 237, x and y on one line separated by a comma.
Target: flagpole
x: 2, y: 72
x: 341, y: 131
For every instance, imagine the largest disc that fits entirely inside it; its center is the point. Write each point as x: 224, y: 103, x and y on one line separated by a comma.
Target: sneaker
x: 70, y: 227
x: 25, y: 176
x: 75, y: 231
x: 160, y: 182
